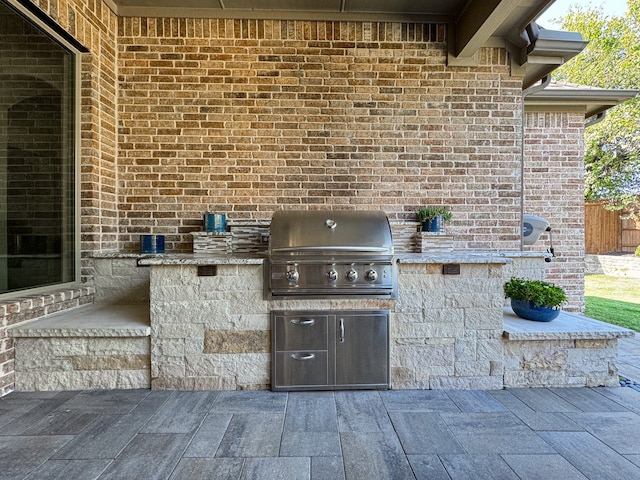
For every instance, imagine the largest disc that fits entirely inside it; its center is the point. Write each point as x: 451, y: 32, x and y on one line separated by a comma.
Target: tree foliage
x: 611, y: 60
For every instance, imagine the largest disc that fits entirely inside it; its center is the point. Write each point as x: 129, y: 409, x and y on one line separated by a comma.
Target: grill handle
x: 303, y: 356
x: 307, y: 322
x: 324, y: 248
x: 341, y: 327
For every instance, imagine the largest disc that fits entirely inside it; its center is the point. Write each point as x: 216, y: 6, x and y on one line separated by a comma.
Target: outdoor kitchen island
x: 210, y: 323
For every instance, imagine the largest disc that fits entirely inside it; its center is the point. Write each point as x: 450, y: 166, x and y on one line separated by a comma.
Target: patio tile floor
x: 574, y: 433
x: 538, y: 433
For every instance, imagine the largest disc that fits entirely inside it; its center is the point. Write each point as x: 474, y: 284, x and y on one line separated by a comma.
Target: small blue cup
x: 151, y: 243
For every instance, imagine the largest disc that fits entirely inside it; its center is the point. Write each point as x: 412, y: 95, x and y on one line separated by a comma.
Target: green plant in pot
x: 534, y: 299
x: 433, y: 217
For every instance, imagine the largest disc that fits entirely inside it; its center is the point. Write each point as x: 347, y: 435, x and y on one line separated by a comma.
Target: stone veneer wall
x: 561, y: 363
x: 120, y: 281
x: 28, y: 307
x: 188, y: 314
x: 82, y: 363
x: 213, y: 332
x: 553, y: 189
x: 627, y: 265
x: 446, y: 331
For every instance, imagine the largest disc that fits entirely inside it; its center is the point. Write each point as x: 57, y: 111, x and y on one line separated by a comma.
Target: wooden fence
x: 606, y: 232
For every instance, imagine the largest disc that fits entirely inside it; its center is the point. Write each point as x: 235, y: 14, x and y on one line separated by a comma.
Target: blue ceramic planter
x: 432, y: 225
x: 527, y: 310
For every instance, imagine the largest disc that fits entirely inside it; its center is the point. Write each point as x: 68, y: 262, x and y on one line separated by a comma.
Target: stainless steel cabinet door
x: 302, y: 331
x: 362, y: 349
x: 300, y: 369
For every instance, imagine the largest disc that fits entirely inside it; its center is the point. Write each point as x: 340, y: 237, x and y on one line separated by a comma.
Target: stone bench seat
x: 568, y: 326
x: 96, y: 346
x: 570, y: 351
x: 94, y: 320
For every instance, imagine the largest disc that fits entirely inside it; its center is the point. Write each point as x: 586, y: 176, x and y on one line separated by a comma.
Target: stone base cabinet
x: 209, y: 329
x: 446, y: 330
x: 213, y: 332
x: 572, y: 350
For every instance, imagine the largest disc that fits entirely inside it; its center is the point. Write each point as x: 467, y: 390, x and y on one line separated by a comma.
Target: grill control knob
x: 332, y: 275
x: 352, y: 275
x: 371, y: 275
x: 292, y: 275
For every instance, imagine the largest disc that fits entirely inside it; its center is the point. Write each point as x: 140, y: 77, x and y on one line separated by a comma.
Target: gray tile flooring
x: 629, y: 357
x: 575, y: 433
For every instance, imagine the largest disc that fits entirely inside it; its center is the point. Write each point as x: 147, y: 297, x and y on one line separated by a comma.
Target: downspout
x: 527, y: 91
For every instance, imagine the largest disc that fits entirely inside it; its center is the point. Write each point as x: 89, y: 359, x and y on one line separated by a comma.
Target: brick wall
x: 553, y: 179
x: 246, y: 117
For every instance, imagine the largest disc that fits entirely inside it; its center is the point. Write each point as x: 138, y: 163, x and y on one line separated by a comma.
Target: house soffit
x: 563, y: 97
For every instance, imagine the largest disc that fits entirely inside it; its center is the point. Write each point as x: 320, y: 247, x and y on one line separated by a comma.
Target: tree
x: 612, y: 147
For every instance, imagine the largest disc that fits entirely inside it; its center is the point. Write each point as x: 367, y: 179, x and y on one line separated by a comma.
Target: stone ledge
x: 568, y: 326
x: 94, y: 320
x: 202, y: 259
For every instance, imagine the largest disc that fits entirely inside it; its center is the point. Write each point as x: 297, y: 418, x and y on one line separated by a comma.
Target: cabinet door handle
x: 307, y: 322
x: 303, y: 356
x: 341, y: 323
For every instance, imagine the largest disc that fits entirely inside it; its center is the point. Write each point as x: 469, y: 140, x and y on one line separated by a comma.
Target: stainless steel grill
x: 330, y: 253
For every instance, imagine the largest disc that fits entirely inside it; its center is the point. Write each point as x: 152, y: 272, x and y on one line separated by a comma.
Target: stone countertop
x: 497, y: 257
x: 567, y: 326
x: 461, y: 256
x: 451, y: 257
x: 201, y: 259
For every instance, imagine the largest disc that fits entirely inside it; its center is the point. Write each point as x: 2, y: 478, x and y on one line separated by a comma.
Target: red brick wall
x: 553, y: 179
x: 246, y: 117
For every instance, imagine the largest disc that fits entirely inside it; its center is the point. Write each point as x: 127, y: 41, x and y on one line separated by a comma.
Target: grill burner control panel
x: 334, y: 278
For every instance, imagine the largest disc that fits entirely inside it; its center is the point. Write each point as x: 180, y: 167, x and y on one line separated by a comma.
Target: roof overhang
x: 591, y: 102
x: 546, y: 50
x: 472, y: 24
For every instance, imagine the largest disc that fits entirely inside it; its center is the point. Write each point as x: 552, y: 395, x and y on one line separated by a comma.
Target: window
x: 38, y: 200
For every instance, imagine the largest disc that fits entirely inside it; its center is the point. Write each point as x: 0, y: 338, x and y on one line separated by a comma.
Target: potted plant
x: 534, y: 299
x: 433, y: 217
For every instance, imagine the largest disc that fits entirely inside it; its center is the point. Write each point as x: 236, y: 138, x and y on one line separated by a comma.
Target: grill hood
x: 337, y: 232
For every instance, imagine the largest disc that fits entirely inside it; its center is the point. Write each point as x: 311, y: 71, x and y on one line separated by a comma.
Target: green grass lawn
x: 613, y: 300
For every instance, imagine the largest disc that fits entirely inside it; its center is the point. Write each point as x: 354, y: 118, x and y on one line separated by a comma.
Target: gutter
x: 546, y: 50
x: 595, y: 119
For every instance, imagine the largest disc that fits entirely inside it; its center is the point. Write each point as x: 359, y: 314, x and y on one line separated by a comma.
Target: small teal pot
x: 215, y: 222
x: 527, y: 310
